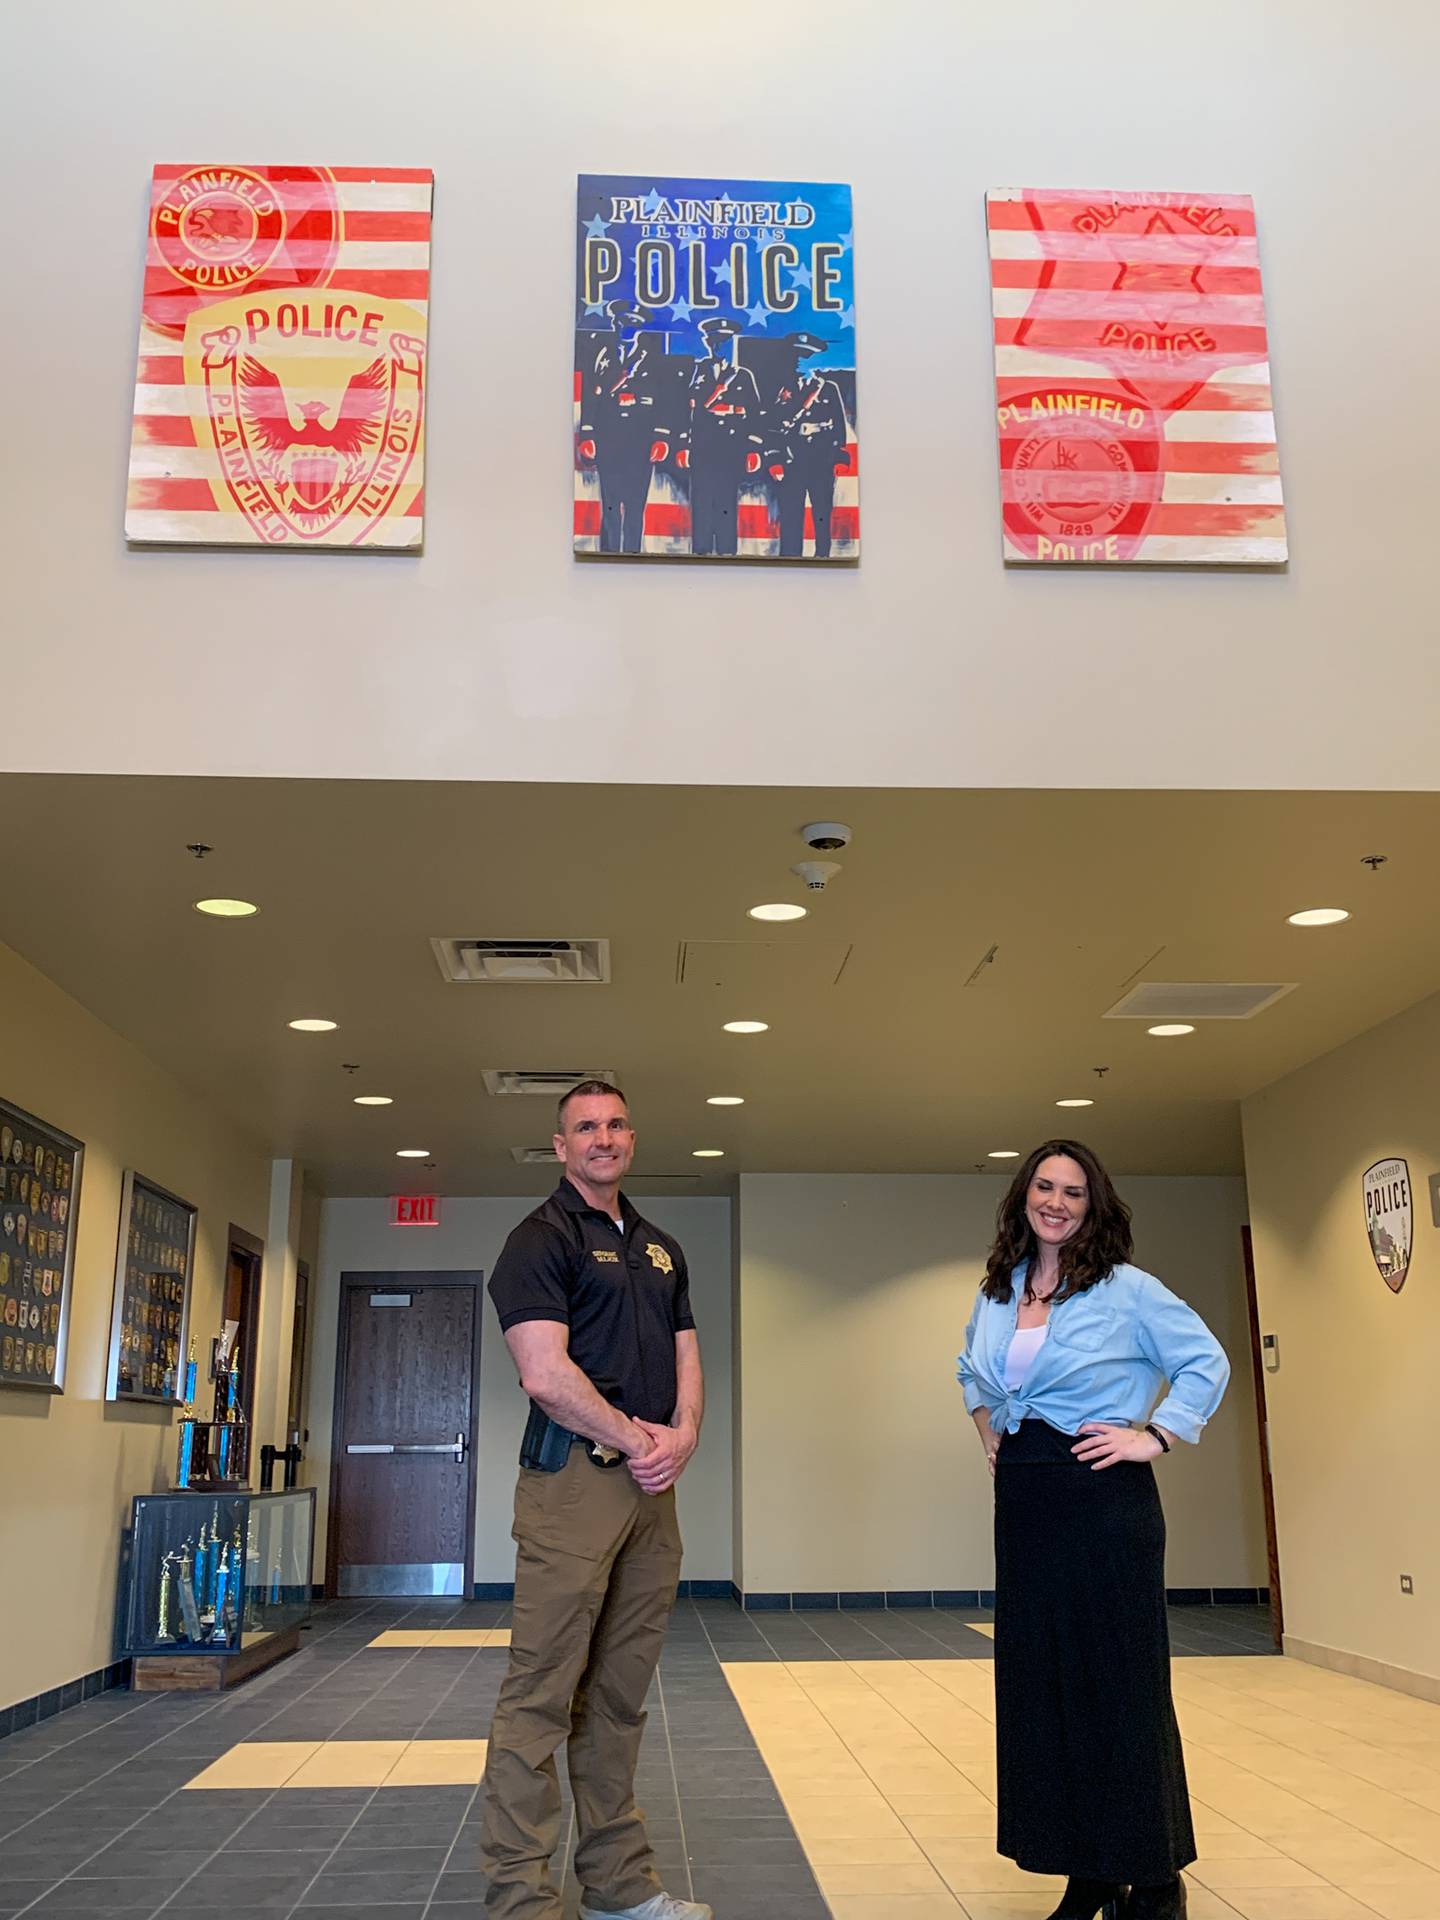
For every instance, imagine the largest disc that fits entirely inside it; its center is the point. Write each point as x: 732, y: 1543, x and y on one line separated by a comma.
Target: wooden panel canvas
x: 714, y: 382
x: 280, y: 387
x: 1132, y: 380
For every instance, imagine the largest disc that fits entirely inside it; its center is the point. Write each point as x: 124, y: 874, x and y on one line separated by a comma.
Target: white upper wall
x: 496, y: 655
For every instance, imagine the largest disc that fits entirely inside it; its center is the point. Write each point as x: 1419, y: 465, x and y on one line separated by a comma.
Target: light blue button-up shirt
x: 1108, y: 1353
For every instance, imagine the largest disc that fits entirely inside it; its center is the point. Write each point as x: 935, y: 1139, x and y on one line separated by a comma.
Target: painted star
x: 758, y: 315
x: 596, y: 227
x: 722, y: 274
x: 847, y: 318
x: 803, y: 277
x: 594, y: 306
x: 847, y: 241
x: 651, y: 204
x: 681, y: 308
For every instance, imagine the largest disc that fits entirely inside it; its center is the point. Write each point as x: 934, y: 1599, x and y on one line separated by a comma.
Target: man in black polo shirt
x: 594, y: 1303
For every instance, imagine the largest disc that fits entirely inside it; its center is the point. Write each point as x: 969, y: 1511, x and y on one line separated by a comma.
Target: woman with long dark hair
x: 1065, y: 1356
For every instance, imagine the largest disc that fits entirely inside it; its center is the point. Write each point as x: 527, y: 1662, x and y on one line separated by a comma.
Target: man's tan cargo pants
x: 596, y: 1567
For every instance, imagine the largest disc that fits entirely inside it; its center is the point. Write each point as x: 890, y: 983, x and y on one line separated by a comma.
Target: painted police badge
x: 659, y: 1257
x: 1389, y: 1219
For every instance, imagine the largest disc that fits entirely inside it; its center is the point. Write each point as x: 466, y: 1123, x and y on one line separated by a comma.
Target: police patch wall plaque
x: 280, y: 390
x: 1132, y: 380
x: 715, y: 369
x: 39, y: 1202
x: 1390, y: 1219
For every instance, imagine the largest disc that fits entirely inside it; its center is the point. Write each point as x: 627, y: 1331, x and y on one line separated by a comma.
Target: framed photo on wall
x: 154, y: 1262
x: 39, y: 1201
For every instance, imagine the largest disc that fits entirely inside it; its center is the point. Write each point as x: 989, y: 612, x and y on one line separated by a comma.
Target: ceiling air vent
x: 546, y: 1085
x: 533, y: 1156
x: 1198, y: 1000
x: 555, y: 963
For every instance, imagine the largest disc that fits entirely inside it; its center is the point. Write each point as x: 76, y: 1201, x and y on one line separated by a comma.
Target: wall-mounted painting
x: 715, y: 369
x: 1132, y: 380
x: 154, y: 1263
x: 280, y: 388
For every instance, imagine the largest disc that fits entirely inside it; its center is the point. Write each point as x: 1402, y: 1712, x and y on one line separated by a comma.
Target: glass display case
x: 217, y: 1574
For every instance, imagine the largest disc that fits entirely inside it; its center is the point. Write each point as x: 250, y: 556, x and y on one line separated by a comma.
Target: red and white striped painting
x: 1132, y: 379
x: 280, y: 387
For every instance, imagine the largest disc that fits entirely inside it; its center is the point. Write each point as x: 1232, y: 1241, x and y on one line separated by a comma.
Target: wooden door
x: 243, y: 1263
x: 1272, y: 1544
x: 402, y: 1505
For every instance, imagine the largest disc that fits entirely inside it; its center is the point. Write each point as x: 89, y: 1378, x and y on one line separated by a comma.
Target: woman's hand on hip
x: 1105, y: 1445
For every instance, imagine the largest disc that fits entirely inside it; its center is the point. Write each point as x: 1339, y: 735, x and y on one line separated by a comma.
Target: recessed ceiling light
x: 313, y: 1026
x: 1074, y: 1103
x: 708, y: 1153
x: 226, y: 909
x: 747, y: 1026
x: 1006, y: 1153
x: 412, y: 1153
x: 373, y: 1100
x: 1171, y: 1031
x: 725, y: 1100
x: 779, y: 910
x: 1319, y: 917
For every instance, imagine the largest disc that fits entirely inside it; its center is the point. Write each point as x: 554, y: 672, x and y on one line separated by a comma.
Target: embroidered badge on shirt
x: 602, y: 1253
x: 659, y: 1257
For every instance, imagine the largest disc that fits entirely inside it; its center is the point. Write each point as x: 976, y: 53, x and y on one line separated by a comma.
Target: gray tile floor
x: 93, y: 1820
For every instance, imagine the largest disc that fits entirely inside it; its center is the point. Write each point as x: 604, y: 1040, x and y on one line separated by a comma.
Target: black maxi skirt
x: 1091, y: 1773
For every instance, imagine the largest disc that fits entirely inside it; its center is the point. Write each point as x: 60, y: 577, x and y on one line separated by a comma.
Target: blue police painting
x: 714, y: 384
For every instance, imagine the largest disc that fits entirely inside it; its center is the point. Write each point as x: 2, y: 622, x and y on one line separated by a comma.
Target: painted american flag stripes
x: 281, y: 376
x: 1132, y: 379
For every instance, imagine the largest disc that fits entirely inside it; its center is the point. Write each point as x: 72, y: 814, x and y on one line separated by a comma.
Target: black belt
x: 546, y: 1444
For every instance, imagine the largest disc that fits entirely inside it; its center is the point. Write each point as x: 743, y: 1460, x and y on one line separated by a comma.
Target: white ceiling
x: 887, y: 1049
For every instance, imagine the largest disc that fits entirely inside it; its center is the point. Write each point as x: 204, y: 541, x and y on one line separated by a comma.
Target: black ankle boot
x: 1090, y: 1900
x: 1165, y: 1902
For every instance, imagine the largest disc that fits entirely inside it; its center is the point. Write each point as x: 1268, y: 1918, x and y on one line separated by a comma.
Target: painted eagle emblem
x: 313, y: 461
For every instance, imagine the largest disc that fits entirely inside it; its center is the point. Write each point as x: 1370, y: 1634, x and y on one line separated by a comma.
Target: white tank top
x: 1021, y: 1357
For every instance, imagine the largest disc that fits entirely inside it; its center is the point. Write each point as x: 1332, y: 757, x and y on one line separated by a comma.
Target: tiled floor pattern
x: 860, y: 1764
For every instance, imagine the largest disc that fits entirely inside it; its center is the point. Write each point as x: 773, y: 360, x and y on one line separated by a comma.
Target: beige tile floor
x: 345, y: 1763
x: 1316, y: 1797
x: 443, y: 1637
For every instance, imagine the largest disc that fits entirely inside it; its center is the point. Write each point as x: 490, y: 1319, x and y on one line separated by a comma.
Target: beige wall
x: 1353, y: 1407
x: 355, y: 1237
x: 70, y: 1463
x: 496, y: 652
x: 860, y: 1469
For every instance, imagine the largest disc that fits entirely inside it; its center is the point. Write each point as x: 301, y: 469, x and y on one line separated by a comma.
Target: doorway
x: 407, y: 1407
x: 1257, y: 1359
x: 244, y: 1259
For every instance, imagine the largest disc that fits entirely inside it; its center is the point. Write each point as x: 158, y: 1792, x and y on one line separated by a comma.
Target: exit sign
x: 415, y: 1210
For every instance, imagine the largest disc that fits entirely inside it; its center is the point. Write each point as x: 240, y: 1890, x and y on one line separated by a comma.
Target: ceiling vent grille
x: 544, y: 1085
x: 533, y: 1156
x: 1162, y: 1000
x: 556, y: 963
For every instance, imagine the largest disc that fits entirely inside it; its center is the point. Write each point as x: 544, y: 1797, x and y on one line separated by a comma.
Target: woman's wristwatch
x: 1164, y: 1443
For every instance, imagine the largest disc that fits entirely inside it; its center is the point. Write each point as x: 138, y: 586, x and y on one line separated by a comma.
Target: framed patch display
x: 280, y: 384
x: 154, y: 1263
x: 39, y: 1200
x: 1132, y: 380
x: 714, y: 378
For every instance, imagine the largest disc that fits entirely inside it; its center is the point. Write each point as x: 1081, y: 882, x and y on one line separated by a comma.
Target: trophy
x: 187, y: 1423
x: 220, y: 1631
x: 189, y: 1609
x: 162, y: 1630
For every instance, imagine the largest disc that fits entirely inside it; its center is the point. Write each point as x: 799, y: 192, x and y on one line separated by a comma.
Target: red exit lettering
x: 415, y: 1210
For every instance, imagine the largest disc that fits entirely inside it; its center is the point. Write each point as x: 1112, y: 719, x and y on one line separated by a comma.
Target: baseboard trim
x: 44, y: 1706
x: 897, y: 1599
x: 1359, y: 1666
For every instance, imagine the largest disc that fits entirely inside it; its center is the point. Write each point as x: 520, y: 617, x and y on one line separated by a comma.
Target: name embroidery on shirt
x: 612, y: 1258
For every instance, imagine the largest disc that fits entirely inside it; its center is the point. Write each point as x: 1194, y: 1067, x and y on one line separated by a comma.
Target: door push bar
x: 457, y: 1448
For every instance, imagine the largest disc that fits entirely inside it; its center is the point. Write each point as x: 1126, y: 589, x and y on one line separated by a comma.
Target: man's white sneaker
x: 663, y: 1906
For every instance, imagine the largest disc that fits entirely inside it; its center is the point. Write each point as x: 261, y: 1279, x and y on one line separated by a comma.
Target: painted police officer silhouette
x: 725, y: 437
x: 626, y: 423
x: 806, y: 442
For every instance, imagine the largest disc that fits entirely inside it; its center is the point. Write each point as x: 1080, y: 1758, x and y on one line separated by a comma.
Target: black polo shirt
x: 623, y: 1291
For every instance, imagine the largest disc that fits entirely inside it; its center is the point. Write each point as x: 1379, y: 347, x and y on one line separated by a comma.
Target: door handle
x: 457, y: 1448
x: 462, y: 1447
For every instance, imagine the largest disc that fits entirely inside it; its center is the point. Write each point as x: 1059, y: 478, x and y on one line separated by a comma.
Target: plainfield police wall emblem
x: 1389, y: 1219
x: 659, y: 1257
x: 280, y: 389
